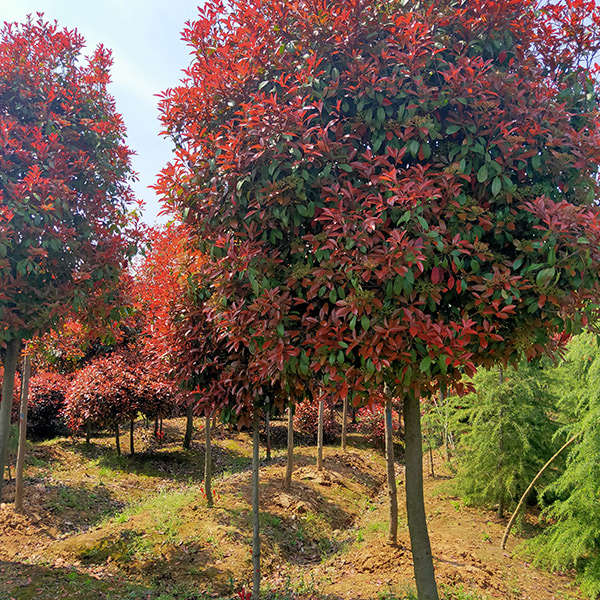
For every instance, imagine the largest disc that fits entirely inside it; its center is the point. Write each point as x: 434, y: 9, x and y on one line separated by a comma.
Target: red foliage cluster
x: 370, y: 421
x: 45, y: 417
x: 113, y: 389
x: 64, y: 219
x: 386, y: 193
x: 306, y: 419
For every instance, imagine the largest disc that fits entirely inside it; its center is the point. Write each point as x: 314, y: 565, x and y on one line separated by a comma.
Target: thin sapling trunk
x: 11, y: 360
x: 131, y: 446
x: 22, y: 433
x: 320, y: 434
x: 255, y: 509
x: 391, y: 473
x: 268, y: 434
x: 208, y: 461
x: 290, y: 449
x: 118, y: 438
x: 344, y: 423
x: 189, y: 425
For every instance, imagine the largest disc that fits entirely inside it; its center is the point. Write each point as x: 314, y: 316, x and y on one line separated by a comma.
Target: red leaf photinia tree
x: 388, y: 193
x: 65, y: 227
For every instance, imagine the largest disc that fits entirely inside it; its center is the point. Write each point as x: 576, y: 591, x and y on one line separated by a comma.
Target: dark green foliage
x: 573, y: 538
x: 509, y: 435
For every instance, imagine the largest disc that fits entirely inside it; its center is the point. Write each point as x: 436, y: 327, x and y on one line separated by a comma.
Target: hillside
x: 98, y: 526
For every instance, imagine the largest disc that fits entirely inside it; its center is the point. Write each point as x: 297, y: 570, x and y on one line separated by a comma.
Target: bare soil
x: 81, y: 536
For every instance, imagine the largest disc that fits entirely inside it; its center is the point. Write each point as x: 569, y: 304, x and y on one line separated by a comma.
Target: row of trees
x: 377, y: 198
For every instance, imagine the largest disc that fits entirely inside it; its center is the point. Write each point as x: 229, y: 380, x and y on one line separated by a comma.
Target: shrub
x: 306, y: 419
x: 45, y: 417
x: 371, y: 423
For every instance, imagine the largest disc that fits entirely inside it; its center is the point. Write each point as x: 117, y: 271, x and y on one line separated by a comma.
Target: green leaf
x: 365, y: 322
x: 482, y: 174
x: 425, y: 365
x: 545, y: 276
x: 496, y: 186
x: 517, y: 263
x: 452, y: 129
x: 280, y: 330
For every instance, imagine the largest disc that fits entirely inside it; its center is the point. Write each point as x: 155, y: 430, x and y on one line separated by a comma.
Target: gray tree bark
x: 255, y: 509
x: 22, y: 434
x: 415, y: 504
x: 391, y: 473
x: 118, y: 438
x: 290, y: 449
x: 189, y: 425
x: 131, y: 446
x: 11, y: 359
x: 344, y: 423
x: 320, y: 434
x: 208, y: 461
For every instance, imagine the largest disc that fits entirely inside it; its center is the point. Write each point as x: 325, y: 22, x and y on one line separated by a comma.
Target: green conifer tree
x: 509, y: 435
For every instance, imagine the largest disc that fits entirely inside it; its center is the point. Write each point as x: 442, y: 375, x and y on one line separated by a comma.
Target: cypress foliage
x: 573, y: 538
x: 509, y: 434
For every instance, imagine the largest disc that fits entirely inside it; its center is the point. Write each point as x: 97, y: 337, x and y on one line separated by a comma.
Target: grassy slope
x: 98, y: 526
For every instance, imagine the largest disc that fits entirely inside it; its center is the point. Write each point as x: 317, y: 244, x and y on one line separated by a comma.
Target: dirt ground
x: 323, y: 538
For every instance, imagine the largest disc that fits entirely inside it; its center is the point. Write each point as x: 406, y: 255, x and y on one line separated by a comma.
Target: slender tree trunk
x: 415, y: 505
x: 530, y: 487
x: 131, y: 447
x: 22, y: 433
x: 444, y: 402
x: 290, y: 449
x: 118, y: 438
x: 431, y: 471
x: 255, y: 509
x: 208, y: 461
x: 88, y: 431
x: 156, y: 427
x: 501, y: 447
x: 189, y: 425
x: 11, y: 360
x: 268, y: 434
x: 320, y: 434
x: 391, y: 473
x: 344, y: 423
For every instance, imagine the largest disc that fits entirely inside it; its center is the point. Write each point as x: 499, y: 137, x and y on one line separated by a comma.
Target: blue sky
x: 144, y: 36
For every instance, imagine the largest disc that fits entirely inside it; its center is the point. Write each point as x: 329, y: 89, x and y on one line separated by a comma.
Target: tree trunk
x: 268, y: 434
x: 88, y: 431
x: 131, y: 447
x: 391, y: 473
x: 415, y: 505
x: 501, y: 447
x: 22, y: 434
x: 11, y: 359
x: 444, y: 402
x: 255, y: 509
x: 320, y: 434
x: 118, y: 438
x: 431, y: 471
x: 156, y: 427
x: 208, y: 461
x: 344, y: 423
x: 290, y: 449
x: 189, y: 425
x: 530, y: 487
